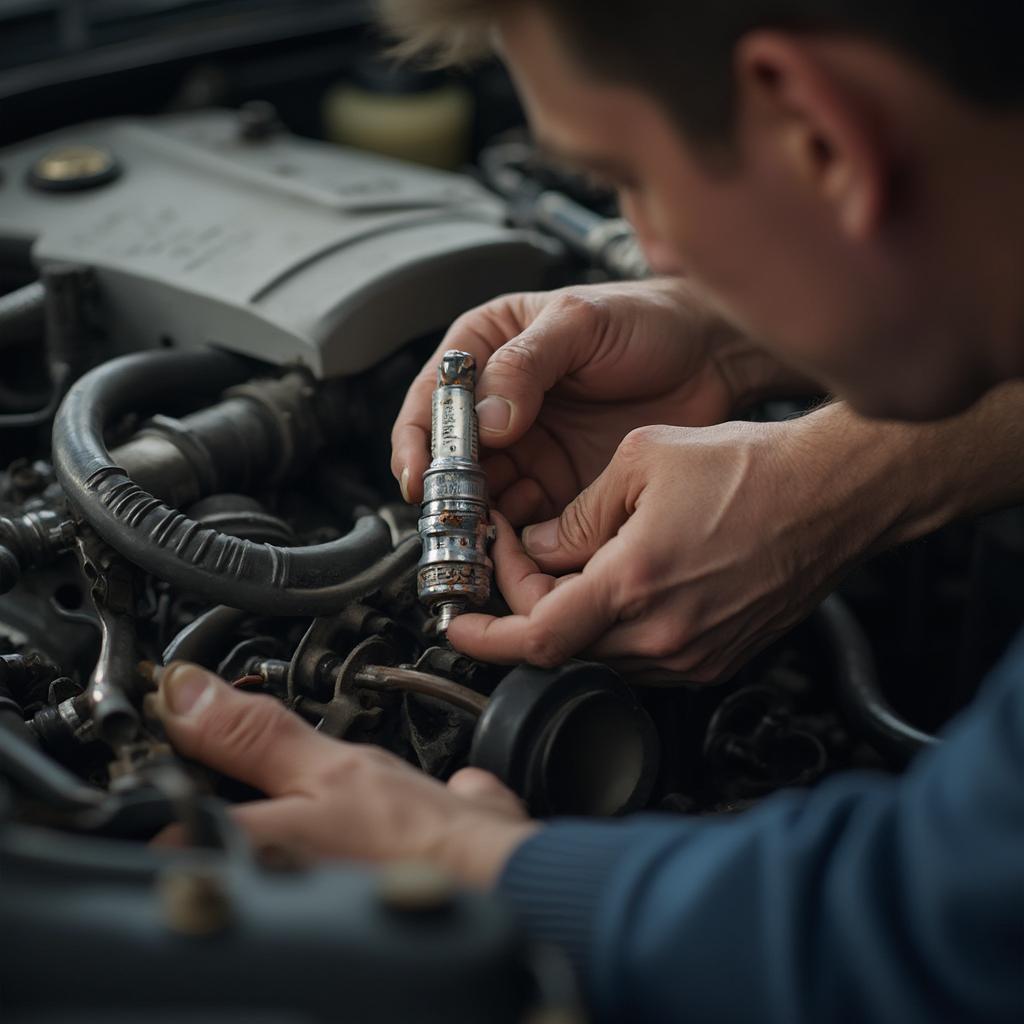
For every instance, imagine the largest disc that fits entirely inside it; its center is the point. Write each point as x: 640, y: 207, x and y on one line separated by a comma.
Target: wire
x: 385, y: 677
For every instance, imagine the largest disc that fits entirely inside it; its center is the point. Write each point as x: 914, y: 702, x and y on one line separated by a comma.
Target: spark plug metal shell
x: 454, y: 570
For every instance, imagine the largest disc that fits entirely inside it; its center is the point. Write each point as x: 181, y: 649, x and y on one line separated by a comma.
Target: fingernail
x: 403, y: 483
x: 186, y: 689
x: 542, y: 538
x: 494, y: 414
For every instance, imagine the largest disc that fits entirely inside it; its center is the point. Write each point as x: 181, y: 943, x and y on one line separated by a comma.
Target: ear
x: 788, y: 98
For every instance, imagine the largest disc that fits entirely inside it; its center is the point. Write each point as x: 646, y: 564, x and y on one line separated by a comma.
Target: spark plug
x: 454, y: 570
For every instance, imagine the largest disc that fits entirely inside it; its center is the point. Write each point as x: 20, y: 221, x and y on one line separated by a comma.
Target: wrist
x: 959, y: 467
x: 751, y: 374
x: 478, y: 848
x: 884, y: 481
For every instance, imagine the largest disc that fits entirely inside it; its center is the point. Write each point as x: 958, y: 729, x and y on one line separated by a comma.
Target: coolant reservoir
x: 401, y: 112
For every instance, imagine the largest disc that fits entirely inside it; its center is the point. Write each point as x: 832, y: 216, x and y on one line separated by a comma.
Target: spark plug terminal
x: 454, y: 570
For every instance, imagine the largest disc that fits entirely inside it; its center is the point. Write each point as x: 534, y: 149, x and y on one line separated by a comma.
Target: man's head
x: 844, y: 176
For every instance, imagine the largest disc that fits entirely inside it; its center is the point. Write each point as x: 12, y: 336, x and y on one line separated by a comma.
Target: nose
x: 661, y: 257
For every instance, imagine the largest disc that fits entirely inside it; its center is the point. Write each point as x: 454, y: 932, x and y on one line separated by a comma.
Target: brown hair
x: 440, y: 32
x: 680, y: 51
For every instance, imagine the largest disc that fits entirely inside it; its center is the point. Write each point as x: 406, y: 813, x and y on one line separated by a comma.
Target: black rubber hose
x: 860, y: 694
x: 203, y: 639
x: 16, y: 401
x: 22, y: 319
x: 39, y: 417
x: 40, y: 776
x: 22, y: 314
x: 259, y: 578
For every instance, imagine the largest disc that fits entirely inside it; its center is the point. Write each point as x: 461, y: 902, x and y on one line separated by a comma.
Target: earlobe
x: 790, y: 100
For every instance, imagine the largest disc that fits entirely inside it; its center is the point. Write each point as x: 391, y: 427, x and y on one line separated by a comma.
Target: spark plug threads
x: 454, y: 570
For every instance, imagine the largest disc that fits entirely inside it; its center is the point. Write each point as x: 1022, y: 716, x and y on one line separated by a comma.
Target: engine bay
x: 207, y: 328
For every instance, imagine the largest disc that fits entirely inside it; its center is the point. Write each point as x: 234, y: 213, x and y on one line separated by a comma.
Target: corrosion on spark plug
x: 454, y: 570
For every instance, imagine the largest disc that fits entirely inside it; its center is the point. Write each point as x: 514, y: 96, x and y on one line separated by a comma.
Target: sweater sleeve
x: 869, y: 898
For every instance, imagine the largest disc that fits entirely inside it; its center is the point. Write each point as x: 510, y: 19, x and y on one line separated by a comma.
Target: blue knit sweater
x: 868, y: 899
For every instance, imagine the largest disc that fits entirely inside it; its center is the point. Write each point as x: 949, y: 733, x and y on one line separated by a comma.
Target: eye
x: 599, y: 182
x: 608, y: 183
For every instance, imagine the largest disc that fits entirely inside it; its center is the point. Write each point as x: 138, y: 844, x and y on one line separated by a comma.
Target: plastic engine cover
x: 282, y: 248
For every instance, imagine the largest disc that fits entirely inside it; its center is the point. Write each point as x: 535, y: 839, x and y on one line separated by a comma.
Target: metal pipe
x: 386, y: 677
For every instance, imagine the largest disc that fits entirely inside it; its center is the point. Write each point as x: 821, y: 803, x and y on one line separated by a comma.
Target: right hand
x: 563, y: 377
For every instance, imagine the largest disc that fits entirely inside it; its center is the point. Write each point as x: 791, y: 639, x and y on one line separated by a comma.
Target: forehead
x: 572, y: 112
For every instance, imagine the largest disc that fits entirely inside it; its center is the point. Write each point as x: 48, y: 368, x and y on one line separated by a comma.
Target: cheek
x: 753, y: 260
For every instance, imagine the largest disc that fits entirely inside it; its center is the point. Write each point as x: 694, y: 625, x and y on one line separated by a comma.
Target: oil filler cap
x: 570, y: 740
x: 74, y: 168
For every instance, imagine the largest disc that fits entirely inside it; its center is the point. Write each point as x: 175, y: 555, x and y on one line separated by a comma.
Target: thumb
x: 586, y: 524
x: 517, y: 376
x: 251, y: 737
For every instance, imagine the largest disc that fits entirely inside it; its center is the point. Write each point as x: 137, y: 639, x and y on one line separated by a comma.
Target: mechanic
x: 843, y: 181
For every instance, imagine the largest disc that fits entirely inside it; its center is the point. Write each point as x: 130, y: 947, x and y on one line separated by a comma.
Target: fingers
x: 410, y: 436
x: 524, y: 502
x: 517, y: 376
x: 283, y: 822
x: 533, y: 479
x: 249, y: 737
x: 479, y: 332
x: 570, y: 617
x: 555, y: 618
x: 501, y: 472
x: 585, y: 525
x: 523, y: 345
x: 521, y: 583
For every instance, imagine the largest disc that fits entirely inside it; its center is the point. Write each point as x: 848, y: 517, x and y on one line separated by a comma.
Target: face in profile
x: 799, y: 234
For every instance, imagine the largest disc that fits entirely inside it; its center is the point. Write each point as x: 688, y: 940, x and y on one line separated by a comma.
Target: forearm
x: 908, y: 479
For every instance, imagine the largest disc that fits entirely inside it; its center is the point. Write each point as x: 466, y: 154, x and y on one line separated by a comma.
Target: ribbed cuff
x: 556, y: 879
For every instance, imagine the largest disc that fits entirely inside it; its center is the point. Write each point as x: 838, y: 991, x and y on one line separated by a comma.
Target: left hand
x: 328, y: 798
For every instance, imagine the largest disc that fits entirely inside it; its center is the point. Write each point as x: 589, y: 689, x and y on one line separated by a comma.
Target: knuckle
x: 515, y: 358
x: 477, y: 327
x: 667, y: 639
x: 466, y: 321
x: 694, y: 662
x: 354, y: 769
x: 637, y: 580
x: 576, y: 523
x: 470, y: 320
x: 245, y: 729
x: 703, y: 674
x: 544, y: 648
x: 587, y: 310
x: 636, y: 445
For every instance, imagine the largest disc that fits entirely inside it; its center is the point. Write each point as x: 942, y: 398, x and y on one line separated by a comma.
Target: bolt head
x: 414, y: 888
x: 194, y: 901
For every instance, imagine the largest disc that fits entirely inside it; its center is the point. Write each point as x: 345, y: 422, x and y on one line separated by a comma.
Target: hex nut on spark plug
x: 454, y: 570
